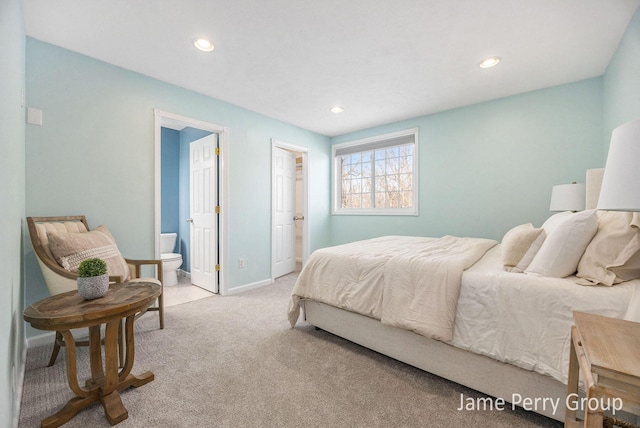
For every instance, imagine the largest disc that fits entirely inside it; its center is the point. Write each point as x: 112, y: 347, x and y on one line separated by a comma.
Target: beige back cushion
x: 65, y: 245
x: 69, y: 249
x: 55, y: 282
x: 45, y: 228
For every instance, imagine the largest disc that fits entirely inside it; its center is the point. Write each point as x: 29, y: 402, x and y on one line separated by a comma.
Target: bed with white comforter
x: 519, y: 319
x: 462, y: 292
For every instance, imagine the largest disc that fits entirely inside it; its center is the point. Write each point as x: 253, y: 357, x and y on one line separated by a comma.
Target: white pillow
x: 561, y: 251
x: 553, y: 221
x: 520, y: 245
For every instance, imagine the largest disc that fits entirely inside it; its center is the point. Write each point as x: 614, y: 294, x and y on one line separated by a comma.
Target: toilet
x: 170, y: 261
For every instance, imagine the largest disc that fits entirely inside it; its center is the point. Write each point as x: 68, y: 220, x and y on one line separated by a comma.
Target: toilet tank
x: 167, y: 242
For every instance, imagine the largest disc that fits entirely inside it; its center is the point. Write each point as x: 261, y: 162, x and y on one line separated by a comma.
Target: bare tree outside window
x: 379, y: 178
x: 377, y: 175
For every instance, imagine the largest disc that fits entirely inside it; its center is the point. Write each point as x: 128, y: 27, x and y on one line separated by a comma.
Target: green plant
x: 92, y: 267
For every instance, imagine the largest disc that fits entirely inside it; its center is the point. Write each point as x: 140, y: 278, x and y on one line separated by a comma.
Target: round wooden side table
x: 67, y: 311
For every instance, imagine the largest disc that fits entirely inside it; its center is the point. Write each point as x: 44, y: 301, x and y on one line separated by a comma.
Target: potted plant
x: 93, y: 280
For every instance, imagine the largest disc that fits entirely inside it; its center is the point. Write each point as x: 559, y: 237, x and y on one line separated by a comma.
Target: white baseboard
x: 19, y: 386
x: 41, y: 339
x: 48, y: 337
x: 247, y: 287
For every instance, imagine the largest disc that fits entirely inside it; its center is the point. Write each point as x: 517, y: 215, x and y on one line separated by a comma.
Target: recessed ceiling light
x: 492, y: 61
x: 337, y: 109
x: 203, y: 44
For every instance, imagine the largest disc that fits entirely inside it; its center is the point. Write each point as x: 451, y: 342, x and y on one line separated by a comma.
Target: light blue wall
x: 622, y: 81
x: 94, y: 155
x: 170, y: 180
x: 12, y: 214
x: 488, y: 167
x: 187, y: 135
x: 484, y: 168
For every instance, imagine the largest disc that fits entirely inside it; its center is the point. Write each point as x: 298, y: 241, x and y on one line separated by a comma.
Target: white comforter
x: 407, y: 282
x: 526, y: 321
x: 421, y: 287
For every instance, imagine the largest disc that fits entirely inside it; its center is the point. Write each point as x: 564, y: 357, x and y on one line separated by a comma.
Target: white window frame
x: 367, y: 144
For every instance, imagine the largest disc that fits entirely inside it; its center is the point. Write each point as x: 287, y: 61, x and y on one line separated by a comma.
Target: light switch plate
x: 34, y: 116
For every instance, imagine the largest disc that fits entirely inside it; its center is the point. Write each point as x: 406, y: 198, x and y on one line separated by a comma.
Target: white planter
x: 93, y: 287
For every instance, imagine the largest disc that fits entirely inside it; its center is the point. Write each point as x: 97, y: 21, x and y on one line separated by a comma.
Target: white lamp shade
x: 568, y: 197
x: 621, y: 182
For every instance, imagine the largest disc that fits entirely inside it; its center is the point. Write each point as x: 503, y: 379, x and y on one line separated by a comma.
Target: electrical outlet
x: 240, y: 263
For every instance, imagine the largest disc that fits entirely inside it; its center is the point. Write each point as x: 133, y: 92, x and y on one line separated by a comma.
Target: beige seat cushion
x: 152, y: 280
x: 70, y: 249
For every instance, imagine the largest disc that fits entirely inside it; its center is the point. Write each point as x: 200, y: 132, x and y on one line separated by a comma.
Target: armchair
x: 60, y: 280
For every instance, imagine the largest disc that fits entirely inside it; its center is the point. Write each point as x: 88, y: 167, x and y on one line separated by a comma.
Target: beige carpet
x: 235, y: 362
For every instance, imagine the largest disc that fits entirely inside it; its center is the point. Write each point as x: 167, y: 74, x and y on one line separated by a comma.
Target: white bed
x: 508, y: 335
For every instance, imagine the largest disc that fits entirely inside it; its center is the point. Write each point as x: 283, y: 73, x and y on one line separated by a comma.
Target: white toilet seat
x: 169, y: 257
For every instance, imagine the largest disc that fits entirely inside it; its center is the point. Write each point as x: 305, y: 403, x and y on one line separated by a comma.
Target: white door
x: 203, y: 218
x: 283, y: 195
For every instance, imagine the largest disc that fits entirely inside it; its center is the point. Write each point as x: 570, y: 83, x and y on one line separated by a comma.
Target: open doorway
x: 192, y: 130
x: 289, y: 207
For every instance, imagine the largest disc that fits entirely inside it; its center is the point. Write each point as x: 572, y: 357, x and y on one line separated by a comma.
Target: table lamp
x: 620, y: 189
x: 567, y: 197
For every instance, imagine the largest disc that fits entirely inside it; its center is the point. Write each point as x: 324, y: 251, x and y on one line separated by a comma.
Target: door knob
x: 189, y: 220
x: 298, y: 218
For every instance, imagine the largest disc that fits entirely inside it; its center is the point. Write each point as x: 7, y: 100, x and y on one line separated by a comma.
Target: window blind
x: 375, y: 145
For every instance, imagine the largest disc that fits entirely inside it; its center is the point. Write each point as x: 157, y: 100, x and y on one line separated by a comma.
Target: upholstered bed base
x: 474, y: 371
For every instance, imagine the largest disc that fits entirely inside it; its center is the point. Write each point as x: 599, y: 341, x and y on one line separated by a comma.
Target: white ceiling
x: 382, y: 60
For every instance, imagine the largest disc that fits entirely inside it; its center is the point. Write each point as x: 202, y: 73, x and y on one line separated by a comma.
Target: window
x: 377, y: 175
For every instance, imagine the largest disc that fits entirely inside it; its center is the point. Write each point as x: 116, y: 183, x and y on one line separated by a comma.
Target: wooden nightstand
x: 607, y: 353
